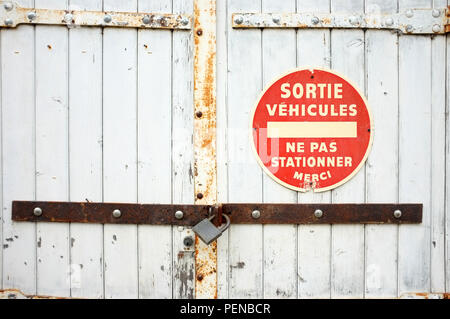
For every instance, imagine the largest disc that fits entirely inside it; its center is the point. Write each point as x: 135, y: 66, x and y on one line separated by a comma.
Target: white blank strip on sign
x: 311, y: 129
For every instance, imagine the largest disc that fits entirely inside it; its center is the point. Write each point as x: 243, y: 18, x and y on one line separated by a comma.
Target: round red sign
x: 311, y: 129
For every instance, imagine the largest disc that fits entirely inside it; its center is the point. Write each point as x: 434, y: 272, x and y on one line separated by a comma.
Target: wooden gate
x: 111, y: 114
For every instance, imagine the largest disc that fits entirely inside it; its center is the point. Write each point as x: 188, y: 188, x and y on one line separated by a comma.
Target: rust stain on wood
x: 18, y: 294
x: 71, y: 18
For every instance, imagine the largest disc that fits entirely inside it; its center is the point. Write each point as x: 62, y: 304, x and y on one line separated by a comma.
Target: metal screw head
x: 179, y: 214
x: 354, y: 20
x: 37, y: 211
x: 188, y: 241
x: 315, y: 20
x: 389, y: 22
x: 318, y: 213
x: 8, y: 22
x: 146, y: 19
x: 31, y: 15
x: 107, y: 18
x: 436, y: 28
x: 184, y: 21
x: 409, y: 28
x: 435, y: 13
x: 276, y: 19
x: 160, y: 20
x: 8, y: 6
x: 397, y: 213
x: 238, y: 19
x: 409, y: 13
x: 116, y: 213
x: 256, y: 214
x: 68, y: 18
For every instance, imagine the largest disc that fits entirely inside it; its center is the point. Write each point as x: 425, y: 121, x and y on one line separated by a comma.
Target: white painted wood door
x: 107, y: 115
x: 404, y: 79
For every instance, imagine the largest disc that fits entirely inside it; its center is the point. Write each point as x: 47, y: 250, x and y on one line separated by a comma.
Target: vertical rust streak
x: 205, y: 180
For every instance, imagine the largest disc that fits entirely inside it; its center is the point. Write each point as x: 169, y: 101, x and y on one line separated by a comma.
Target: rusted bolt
x: 37, y: 211
x: 8, y: 22
x: 315, y: 20
x: 436, y: 13
x: 318, y: 213
x: 116, y: 213
x: 389, y: 22
x: 256, y: 214
x: 8, y: 6
x: 436, y: 28
x: 107, y: 18
x: 397, y: 213
x: 31, y: 15
x: 409, y: 13
x: 409, y: 28
x: 184, y: 21
x: 199, y: 277
x: 199, y: 195
x: 68, y: 18
x: 238, y: 19
x: 179, y: 214
x: 188, y: 241
x: 199, y: 114
x: 199, y: 32
x: 146, y: 19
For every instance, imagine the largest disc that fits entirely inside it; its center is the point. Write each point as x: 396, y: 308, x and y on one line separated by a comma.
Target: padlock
x: 207, y: 231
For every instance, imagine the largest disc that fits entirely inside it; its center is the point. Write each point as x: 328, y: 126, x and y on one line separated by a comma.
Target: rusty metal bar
x: 411, y: 21
x: 205, y: 177
x: 158, y: 214
x: 11, y: 15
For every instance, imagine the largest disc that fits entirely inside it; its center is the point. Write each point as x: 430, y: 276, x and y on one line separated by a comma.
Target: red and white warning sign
x: 311, y: 129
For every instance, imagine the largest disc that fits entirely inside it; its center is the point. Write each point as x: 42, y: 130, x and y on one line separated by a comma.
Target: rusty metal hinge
x: 12, y: 15
x: 190, y: 215
x: 411, y: 21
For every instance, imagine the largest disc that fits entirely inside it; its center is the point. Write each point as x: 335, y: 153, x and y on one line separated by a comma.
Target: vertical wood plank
x: 18, y: 154
x: 447, y: 170
x: 382, y: 163
x: 314, y: 241
x: 119, y: 145
x: 52, y: 182
x: 438, y: 95
x: 221, y: 148
x: 279, y: 241
x: 244, y: 174
x: 347, y: 268
x: 415, y: 146
x: 182, y: 149
x: 85, y: 152
x: 154, y: 151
